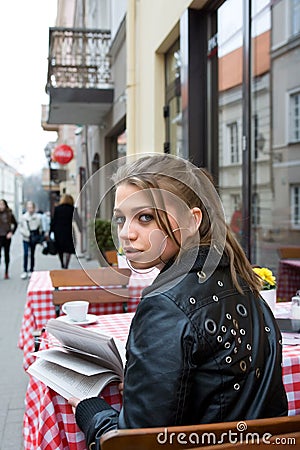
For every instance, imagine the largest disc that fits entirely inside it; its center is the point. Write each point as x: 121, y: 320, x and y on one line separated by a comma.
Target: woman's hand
x: 9, y: 235
x: 73, y: 401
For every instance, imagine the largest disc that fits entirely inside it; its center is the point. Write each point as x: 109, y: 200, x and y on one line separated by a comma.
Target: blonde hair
x: 67, y: 200
x: 195, y: 188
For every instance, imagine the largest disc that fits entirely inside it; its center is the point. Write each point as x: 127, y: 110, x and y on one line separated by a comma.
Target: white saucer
x: 90, y: 318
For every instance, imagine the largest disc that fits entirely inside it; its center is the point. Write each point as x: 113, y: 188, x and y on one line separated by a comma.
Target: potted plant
x: 101, y: 236
x: 268, y: 285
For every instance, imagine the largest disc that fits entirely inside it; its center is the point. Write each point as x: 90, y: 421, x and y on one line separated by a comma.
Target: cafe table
x: 288, y: 279
x: 39, y: 307
x: 49, y: 422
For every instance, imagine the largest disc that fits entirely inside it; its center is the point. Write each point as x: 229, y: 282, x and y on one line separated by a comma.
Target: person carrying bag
x: 50, y: 246
x: 35, y: 236
x: 32, y: 233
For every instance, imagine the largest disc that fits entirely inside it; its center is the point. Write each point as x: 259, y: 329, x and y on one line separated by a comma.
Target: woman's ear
x: 197, y: 216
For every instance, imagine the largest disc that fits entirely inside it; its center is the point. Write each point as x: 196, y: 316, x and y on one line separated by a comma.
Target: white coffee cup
x: 76, y: 310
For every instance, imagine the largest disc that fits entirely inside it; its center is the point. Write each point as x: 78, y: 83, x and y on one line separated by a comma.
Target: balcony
x: 79, y: 76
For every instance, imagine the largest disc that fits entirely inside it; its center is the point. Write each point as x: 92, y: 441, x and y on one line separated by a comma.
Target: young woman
x: 203, y: 346
x: 30, y: 223
x: 61, y: 225
x: 8, y: 226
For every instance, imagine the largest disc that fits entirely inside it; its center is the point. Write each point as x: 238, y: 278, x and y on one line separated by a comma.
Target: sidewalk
x: 13, y: 379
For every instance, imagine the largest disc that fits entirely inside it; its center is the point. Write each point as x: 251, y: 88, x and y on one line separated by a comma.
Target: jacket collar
x: 197, y: 259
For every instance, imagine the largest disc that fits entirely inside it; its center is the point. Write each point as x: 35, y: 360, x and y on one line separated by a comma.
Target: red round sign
x: 62, y: 154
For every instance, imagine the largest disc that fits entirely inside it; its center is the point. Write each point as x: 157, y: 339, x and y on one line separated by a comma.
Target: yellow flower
x: 267, y: 278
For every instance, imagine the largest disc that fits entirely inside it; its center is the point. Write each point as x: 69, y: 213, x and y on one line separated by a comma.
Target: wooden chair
x: 288, y: 252
x: 216, y: 436
x: 81, y: 284
x: 111, y: 257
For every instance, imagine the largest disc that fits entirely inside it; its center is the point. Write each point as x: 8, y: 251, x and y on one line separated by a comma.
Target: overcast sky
x: 24, y: 35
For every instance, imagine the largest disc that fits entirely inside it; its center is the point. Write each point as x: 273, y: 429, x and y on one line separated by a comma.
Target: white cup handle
x: 64, y: 308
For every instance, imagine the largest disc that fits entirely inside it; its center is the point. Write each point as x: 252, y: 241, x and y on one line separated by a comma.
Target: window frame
x: 233, y: 142
x: 293, y: 130
x: 295, y: 19
x: 295, y: 216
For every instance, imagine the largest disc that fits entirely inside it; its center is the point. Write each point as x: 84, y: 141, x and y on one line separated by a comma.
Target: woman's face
x: 144, y: 243
x: 30, y: 207
x: 2, y: 205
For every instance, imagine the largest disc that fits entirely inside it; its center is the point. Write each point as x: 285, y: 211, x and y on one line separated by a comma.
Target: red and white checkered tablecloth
x: 288, y: 280
x: 291, y: 365
x: 39, y: 307
x: 49, y: 422
x: 291, y: 377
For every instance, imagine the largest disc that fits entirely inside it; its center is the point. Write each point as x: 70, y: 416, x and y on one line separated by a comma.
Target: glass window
x: 295, y: 206
x: 295, y: 117
x: 122, y: 144
x: 173, y: 108
x: 273, y: 172
x: 295, y: 16
x: 230, y: 112
x: 255, y: 210
x: 233, y: 142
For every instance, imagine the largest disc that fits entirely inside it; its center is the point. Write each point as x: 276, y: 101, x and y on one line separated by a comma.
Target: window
x: 295, y: 17
x: 236, y: 221
x: 255, y: 210
x: 235, y: 202
x: 233, y: 142
x: 295, y: 117
x: 295, y: 206
x: 173, y: 108
x: 255, y: 130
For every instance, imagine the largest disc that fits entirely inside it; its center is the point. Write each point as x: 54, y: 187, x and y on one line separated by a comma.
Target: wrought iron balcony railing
x: 78, y: 58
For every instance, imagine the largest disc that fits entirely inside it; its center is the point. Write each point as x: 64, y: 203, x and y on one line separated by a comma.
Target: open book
x: 81, y: 363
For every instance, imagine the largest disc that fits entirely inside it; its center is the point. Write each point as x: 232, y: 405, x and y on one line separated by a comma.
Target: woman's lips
x: 131, y: 253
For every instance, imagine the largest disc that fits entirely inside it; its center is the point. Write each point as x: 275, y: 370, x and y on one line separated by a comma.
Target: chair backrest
x: 111, y: 257
x: 102, y: 285
x: 209, y: 436
x: 253, y: 442
x: 288, y: 252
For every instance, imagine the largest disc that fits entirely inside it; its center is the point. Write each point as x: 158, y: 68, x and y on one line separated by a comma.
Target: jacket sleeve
x: 24, y: 228
x: 95, y: 417
x: 156, y: 382
x: 14, y: 224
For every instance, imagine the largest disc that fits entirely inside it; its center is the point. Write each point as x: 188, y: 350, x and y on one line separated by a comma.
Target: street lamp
x: 48, y: 153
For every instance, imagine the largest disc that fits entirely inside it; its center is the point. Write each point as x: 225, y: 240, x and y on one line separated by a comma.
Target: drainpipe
x: 131, y: 80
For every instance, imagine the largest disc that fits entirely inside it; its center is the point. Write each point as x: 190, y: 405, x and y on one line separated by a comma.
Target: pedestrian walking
x: 45, y: 218
x: 32, y: 233
x: 8, y: 226
x: 61, y: 226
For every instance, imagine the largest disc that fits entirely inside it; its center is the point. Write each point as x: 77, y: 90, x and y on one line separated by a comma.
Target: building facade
x: 11, y: 188
x: 212, y: 81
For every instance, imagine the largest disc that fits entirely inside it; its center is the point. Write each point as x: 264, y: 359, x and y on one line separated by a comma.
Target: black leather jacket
x: 197, y: 352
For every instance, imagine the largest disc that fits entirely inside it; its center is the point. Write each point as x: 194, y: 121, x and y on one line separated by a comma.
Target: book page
x: 89, y: 342
x: 71, y: 361
x: 68, y: 383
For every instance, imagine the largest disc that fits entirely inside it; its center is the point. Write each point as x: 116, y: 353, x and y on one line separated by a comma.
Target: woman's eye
x: 119, y: 220
x: 146, y: 217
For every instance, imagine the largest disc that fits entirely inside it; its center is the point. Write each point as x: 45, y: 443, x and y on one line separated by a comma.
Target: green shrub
x: 103, y: 234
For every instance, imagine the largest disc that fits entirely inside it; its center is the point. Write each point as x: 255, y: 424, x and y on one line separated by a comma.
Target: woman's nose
x: 127, y: 232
